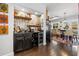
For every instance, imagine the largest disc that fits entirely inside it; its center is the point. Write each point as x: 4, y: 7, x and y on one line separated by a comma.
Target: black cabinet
x: 35, y: 39
x: 19, y: 45
x: 27, y: 41
x: 47, y: 37
x: 22, y: 41
x: 18, y: 42
x: 40, y: 38
x: 27, y: 44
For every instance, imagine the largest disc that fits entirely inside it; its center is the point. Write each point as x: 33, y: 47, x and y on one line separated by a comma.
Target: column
x: 44, y: 27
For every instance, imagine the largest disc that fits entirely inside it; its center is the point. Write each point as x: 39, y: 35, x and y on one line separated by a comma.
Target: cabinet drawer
x: 19, y: 38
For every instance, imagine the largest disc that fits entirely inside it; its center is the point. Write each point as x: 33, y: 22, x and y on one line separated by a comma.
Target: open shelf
x: 20, y: 17
x: 33, y: 25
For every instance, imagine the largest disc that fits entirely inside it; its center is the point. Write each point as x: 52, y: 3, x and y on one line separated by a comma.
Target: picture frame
x: 3, y: 18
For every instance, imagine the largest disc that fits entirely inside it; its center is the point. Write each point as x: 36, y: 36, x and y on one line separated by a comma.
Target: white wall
x: 22, y: 23
x: 6, y: 41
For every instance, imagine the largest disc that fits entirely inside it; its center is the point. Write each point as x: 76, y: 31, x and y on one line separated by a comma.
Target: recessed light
x: 23, y: 10
x: 36, y: 13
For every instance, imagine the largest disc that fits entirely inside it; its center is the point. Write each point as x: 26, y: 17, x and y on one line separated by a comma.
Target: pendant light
x: 64, y: 15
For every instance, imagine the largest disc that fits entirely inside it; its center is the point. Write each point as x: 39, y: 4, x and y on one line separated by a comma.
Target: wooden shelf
x: 20, y: 17
x: 33, y: 25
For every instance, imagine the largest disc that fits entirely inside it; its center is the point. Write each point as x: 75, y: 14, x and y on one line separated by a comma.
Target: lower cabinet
x: 27, y: 44
x: 22, y: 42
x: 18, y: 45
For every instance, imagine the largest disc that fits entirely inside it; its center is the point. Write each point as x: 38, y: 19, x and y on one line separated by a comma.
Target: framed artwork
x: 4, y: 7
x: 3, y: 29
x: 3, y: 18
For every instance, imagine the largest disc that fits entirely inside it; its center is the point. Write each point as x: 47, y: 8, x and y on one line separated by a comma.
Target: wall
x: 6, y: 41
x: 35, y: 20
x: 22, y: 23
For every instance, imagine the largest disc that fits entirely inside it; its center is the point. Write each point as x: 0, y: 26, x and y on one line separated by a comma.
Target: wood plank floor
x: 48, y: 50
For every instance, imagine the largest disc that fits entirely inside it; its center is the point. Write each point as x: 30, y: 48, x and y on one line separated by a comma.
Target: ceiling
x: 38, y: 7
x: 54, y: 9
x: 58, y: 9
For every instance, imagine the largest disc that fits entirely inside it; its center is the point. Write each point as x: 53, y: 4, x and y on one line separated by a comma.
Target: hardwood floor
x: 48, y: 50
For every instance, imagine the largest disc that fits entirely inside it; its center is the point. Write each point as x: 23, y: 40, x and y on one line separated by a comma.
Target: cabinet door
x: 27, y: 43
x: 18, y: 44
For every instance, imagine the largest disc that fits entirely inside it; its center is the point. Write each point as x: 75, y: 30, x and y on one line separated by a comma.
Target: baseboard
x: 9, y: 54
